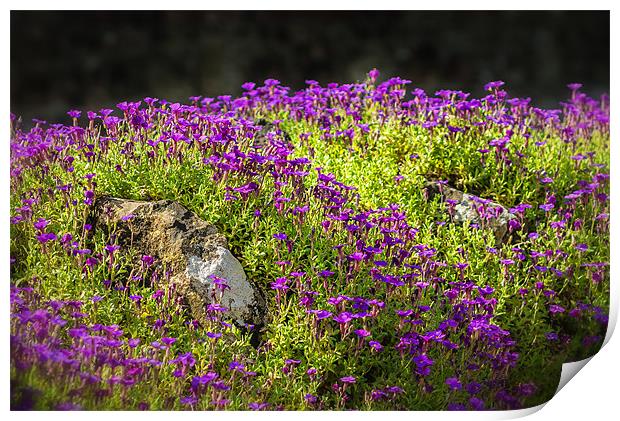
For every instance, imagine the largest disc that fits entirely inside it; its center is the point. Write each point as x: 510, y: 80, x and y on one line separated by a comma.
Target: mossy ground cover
x: 377, y: 299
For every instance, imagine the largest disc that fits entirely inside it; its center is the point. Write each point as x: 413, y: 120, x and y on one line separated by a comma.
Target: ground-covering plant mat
x: 377, y: 294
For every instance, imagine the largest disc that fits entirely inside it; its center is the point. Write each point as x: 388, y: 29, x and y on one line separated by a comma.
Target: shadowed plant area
x: 414, y: 251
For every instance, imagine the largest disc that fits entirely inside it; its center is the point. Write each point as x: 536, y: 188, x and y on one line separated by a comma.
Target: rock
x: 267, y: 128
x: 192, y: 249
x: 473, y: 209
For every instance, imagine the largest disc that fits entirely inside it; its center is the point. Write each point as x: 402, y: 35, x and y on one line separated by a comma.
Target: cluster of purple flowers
x: 380, y: 291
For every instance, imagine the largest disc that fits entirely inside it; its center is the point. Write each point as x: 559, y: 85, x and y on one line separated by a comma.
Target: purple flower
x: 220, y: 385
x: 45, y: 237
x: 476, y: 403
x: 336, y: 300
x: 220, y: 283
x: 375, y: 345
x: 581, y: 247
x: 404, y: 313
x: 461, y: 265
x: 362, y: 333
x: 188, y: 400
x: 356, y: 257
x: 377, y: 395
x: 551, y: 336
x: 373, y: 75
x: 203, y: 379
x: 91, y: 262
x: 89, y: 195
x: 271, y: 82
x: 41, y: 224
x: 554, y: 309
x: 246, y: 189
x: 493, y: 85
x: 168, y: 341
x: 473, y: 388
x: 423, y: 364
x: 526, y: 389
x: 258, y: 406
x: 217, y: 308
x: 454, y: 383
x: 488, y: 290
x: 157, y: 345
x: 395, y: 390
x: 280, y: 284
x: 110, y: 248
x: 321, y: 314
x: 547, y: 207
x: 311, y: 399
x: 344, y: 317
x: 74, y: 113
x: 236, y: 366
x: 348, y: 379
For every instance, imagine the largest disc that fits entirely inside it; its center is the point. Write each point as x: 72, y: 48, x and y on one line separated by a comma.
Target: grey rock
x: 268, y: 131
x: 240, y: 297
x: 190, y: 248
x: 466, y: 207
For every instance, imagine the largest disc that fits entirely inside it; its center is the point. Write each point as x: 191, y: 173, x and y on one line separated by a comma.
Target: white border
x: 591, y: 394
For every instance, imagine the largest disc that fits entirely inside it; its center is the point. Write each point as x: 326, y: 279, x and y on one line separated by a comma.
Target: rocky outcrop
x: 465, y: 207
x: 193, y: 250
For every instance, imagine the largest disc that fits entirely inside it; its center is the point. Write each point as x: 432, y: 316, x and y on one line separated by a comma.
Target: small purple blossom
x: 454, y: 383
x: 581, y: 247
x: 348, y: 379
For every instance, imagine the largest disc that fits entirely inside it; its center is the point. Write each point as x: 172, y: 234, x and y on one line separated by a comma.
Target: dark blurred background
x: 90, y: 60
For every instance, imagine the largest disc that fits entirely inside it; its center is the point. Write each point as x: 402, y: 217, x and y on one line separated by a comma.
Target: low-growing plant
x: 377, y: 299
